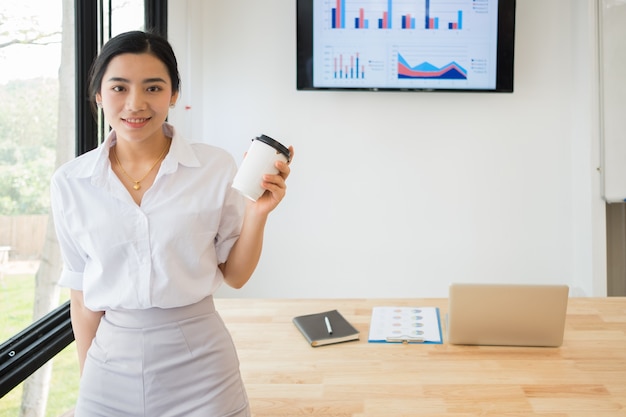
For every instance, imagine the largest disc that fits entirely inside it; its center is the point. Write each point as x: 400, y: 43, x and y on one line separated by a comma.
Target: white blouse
x: 163, y: 253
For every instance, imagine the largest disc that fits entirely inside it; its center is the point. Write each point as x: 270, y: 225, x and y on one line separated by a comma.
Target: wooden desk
x: 284, y: 376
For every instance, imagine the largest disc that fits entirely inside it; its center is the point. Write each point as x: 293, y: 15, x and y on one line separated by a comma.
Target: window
x: 36, y: 86
x: 38, y: 132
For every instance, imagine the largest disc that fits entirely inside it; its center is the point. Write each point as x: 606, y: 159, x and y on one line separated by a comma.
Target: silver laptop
x: 507, y: 314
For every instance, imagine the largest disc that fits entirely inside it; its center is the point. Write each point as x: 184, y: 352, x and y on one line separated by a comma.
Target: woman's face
x: 136, y: 94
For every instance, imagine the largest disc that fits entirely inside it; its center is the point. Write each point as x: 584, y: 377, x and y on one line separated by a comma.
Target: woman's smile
x: 135, y: 122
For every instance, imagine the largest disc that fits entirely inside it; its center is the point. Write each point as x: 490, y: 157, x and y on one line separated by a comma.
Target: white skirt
x: 162, y: 363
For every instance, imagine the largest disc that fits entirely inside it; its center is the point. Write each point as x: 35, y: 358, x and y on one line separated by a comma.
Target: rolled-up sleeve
x: 73, y: 258
x: 230, y: 224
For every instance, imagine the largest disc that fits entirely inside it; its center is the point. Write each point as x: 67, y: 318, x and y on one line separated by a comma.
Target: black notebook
x: 325, y: 328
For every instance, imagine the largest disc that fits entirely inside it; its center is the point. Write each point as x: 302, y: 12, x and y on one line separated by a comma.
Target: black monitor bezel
x: 504, y: 66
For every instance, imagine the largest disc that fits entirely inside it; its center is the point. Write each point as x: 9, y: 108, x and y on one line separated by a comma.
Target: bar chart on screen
x: 399, y: 14
x: 349, y: 65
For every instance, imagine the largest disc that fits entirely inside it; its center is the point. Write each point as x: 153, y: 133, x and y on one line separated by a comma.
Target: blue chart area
x: 426, y: 70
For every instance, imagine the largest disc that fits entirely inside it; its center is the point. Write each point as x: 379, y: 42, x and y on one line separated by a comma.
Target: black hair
x: 134, y: 42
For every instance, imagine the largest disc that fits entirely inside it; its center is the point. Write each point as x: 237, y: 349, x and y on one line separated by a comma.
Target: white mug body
x: 260, y: 160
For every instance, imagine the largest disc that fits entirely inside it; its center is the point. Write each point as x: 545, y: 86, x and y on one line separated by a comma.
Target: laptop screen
x: 507, y: 314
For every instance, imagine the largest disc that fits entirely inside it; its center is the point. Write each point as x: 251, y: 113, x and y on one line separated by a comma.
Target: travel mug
x: 259, y: 160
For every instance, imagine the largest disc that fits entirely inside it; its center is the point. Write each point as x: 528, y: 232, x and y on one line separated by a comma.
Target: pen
x: 330, y: 329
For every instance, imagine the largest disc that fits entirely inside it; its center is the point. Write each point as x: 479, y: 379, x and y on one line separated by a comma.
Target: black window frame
x: 24, y: 353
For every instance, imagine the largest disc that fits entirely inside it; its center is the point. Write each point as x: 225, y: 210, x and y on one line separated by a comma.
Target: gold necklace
x: 137, y: 183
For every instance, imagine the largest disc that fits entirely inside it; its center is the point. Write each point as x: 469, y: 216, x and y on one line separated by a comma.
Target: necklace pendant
x: 137, y: 183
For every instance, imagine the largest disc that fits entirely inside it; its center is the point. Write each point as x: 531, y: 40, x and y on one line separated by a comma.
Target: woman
x: 149, y: 227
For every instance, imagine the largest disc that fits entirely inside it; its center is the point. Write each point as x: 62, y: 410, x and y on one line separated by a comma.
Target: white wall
x: 400, y: 194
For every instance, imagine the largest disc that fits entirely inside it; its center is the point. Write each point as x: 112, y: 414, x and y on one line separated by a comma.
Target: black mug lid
x: 275, y: 144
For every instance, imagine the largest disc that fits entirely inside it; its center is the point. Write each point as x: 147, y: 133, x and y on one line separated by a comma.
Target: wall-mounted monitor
x: 406, y: 45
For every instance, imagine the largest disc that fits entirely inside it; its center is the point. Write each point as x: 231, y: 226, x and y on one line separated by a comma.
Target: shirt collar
x: 181, y: 152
